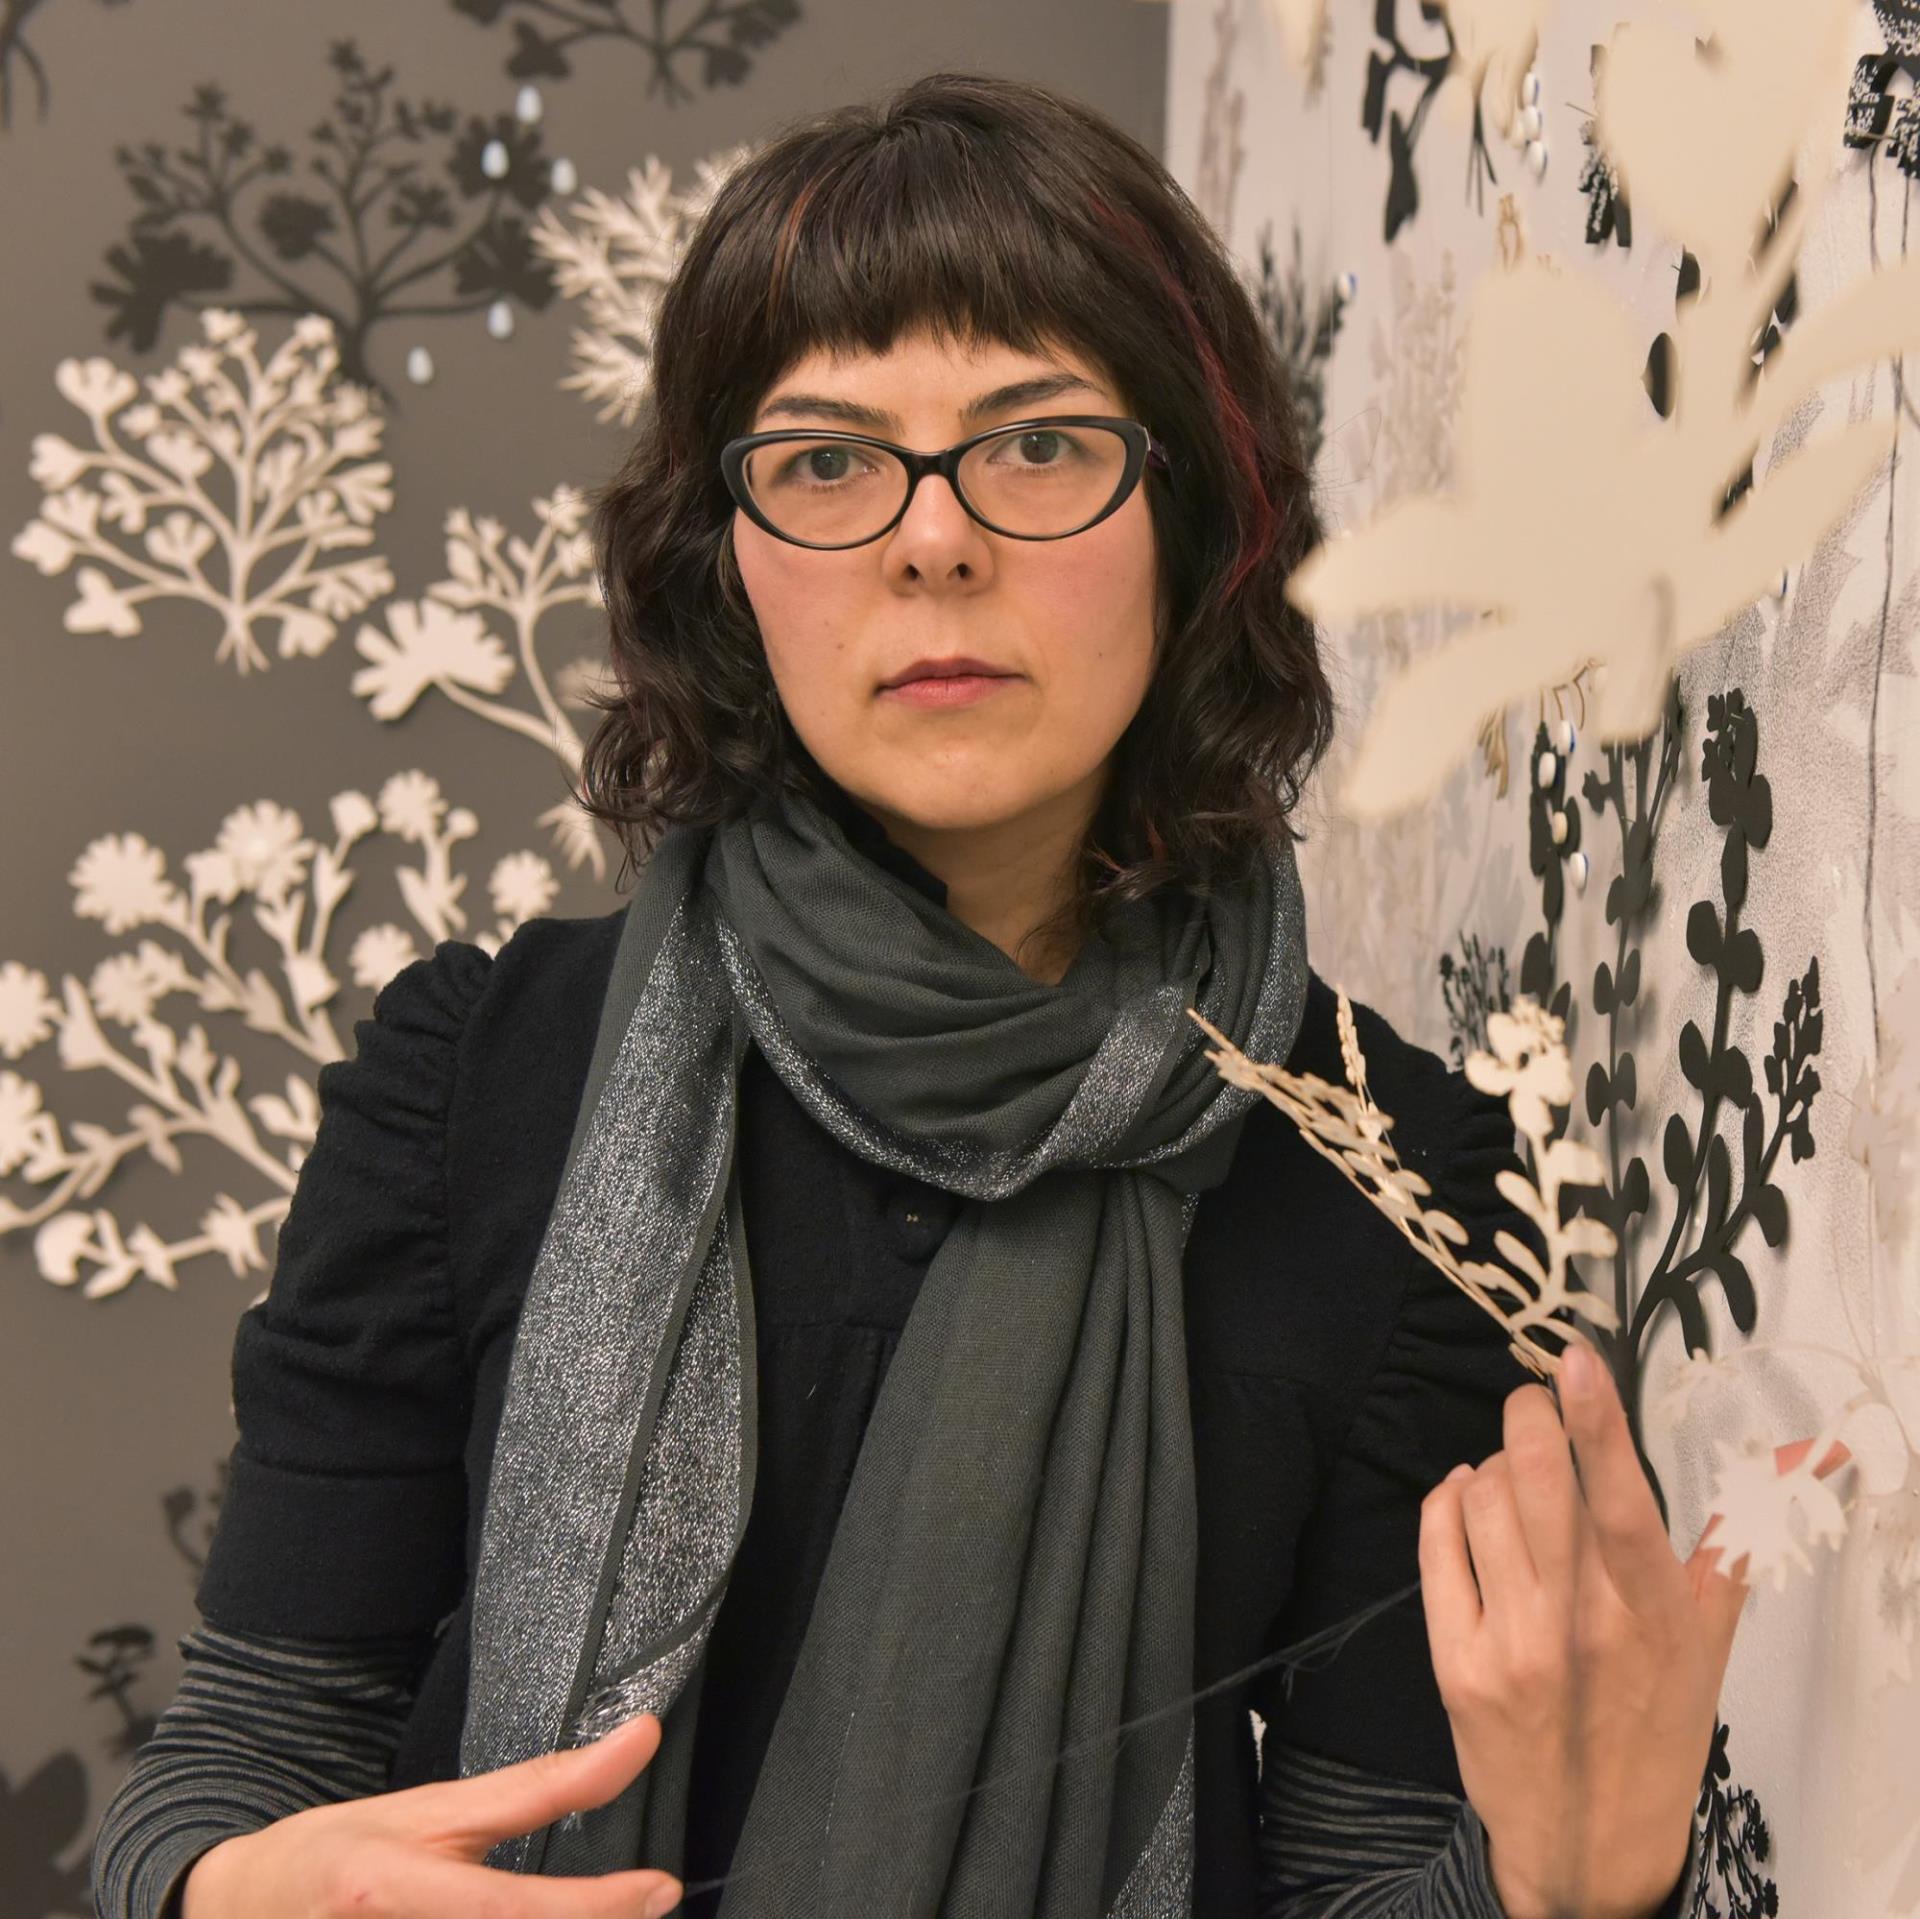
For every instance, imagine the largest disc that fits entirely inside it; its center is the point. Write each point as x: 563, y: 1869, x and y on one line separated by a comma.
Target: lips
x: 955, y: 666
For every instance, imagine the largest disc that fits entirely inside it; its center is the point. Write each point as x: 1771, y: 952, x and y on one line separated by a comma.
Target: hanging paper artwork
x: 1556, y: 457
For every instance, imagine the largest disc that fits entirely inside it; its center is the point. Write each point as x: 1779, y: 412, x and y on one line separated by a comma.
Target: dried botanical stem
x: 1345, y: 1125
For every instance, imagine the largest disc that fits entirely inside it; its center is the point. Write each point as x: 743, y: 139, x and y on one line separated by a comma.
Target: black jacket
x: 1336, y: 1375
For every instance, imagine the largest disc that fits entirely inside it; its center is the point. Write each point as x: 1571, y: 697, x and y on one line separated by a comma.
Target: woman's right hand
x: 415, y: 1853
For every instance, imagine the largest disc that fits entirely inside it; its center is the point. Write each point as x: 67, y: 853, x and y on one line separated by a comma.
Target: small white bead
x: 419, y: 365
x: 1349, y: 284
x: 1537, y: 158
x: 1577, y: 871
x: 526, y: 105
x: 493, y: 159
x: 1531, y: 123
x: 1548, y: 766
x: 1557, y: 825
x: 1566, y: 737
x: 500, y: 319
x: 565, y: 176
x: 1530, y: 87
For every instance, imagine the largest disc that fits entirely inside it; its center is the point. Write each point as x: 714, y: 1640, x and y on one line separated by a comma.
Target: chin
x: 961, y: 802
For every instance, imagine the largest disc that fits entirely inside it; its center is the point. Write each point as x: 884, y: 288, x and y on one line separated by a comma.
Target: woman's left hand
x: 1578, y: 1658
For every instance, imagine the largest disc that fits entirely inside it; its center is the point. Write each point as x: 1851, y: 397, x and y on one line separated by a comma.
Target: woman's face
x: 1069, y: 622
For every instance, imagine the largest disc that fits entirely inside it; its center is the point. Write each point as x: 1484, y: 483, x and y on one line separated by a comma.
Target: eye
x: 818, y: 465
x: 1036, y: 447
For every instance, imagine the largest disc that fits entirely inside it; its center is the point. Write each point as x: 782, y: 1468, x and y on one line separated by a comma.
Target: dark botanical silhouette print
x: 718, y: 37
x: 407, y: 213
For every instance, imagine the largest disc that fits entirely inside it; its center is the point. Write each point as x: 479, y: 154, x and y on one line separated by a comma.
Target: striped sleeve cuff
x: 1339, y: 1842
x: 260, y: 1727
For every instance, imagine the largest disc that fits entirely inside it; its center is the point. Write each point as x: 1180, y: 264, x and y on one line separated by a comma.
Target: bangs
x: 909, y: 234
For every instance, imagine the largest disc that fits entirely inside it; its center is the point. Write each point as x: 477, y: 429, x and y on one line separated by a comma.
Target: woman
x: 826, y: 1326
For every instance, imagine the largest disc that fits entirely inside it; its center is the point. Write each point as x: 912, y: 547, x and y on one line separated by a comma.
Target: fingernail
x: 1579, y: 1369
x: 661, y: 1903
x: 1461, y: 1471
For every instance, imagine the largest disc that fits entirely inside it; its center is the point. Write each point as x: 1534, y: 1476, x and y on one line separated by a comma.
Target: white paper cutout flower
x: 426, y: 644
x: 27, y: 1011
x: 1529, y: 1064
x: 263, y: 878
x: 228, y: 486
x: 1768, y: 1516
x: 444, y: 641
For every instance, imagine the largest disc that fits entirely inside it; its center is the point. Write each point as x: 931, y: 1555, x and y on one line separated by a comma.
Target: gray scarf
x: 1011, y: 1579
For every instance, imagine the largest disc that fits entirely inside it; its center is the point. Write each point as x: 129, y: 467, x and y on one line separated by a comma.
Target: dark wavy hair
x: 973, y: 208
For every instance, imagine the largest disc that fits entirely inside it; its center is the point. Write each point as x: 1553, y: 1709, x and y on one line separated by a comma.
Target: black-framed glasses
x: 1031, y: 480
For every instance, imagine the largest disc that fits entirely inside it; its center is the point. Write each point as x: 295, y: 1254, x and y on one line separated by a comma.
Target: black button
x: 917, y: 1218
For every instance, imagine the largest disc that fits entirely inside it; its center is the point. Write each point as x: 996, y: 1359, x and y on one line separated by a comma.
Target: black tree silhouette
x: 720, y: 35
x: 211, y: 232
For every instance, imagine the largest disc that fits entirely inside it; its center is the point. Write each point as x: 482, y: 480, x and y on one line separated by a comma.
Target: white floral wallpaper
x: 1598, y: 312
x: 317, y: 325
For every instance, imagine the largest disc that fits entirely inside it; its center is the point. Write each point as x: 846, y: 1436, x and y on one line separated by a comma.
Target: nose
x: 937, y: 535
x: 934, y: 499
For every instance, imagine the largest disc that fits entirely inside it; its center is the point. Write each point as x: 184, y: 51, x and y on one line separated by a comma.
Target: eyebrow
x: 1018, y: 393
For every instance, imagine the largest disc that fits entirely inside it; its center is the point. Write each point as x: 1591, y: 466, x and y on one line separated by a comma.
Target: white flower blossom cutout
x: 616, y: 256
x: 265, y: 878
x: 1770, y: 1516
x: 1345, y: 1125
x: 445, y: 641
x: 229, y: 486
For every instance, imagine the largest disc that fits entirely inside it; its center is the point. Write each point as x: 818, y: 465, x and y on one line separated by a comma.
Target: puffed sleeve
x: 1362, y: 1807
x: 344, y: 1512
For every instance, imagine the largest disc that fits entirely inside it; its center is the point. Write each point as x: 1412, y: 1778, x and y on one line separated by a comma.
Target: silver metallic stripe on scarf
x: 623, y: 1466
x: 1117, y: 1080
x: 1161, y: 1881
x: 636, y: 1224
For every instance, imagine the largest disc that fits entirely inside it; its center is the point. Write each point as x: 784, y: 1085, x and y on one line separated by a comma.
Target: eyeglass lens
x: 1036, y: 481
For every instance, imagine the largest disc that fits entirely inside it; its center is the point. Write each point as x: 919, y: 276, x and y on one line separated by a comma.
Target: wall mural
x: 262, y: 465
x: 1624, y: 601
x: 1614, y: 459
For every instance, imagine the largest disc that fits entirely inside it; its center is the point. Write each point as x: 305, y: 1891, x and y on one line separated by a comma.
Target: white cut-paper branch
x: 225, y: 487
x: 1770, y: 1502
x: 617, y: 256
x: 291, y: 885
x: 444, y: 641
x: 1529, y: 1064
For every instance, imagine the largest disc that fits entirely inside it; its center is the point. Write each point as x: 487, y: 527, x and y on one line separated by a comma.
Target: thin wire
x: 1330, y: 1641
